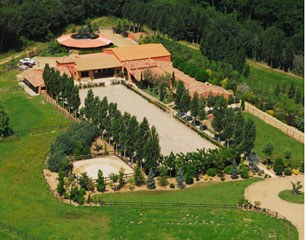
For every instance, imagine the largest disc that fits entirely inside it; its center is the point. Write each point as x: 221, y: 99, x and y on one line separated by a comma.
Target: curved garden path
x: 267, y: 193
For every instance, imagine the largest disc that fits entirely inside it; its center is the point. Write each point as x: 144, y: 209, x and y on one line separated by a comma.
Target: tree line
x: 228, y: 31
x: 193, y: 63
x: 61, y: 87
x: 227, y: 36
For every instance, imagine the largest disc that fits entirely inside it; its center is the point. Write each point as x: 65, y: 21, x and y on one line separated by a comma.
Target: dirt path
x: 267, y: 193
x: 7, y: 59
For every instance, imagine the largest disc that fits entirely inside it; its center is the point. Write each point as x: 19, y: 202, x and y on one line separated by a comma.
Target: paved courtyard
x: 174, y: 136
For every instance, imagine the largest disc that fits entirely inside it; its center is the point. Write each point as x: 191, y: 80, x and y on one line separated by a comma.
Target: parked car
x: 27, y: 61
x: 22, y: 67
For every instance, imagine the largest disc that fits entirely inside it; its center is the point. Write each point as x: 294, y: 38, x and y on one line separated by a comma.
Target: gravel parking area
x: 174, y: 136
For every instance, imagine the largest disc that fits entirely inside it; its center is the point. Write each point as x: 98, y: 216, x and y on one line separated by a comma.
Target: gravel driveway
x: 267, y: 193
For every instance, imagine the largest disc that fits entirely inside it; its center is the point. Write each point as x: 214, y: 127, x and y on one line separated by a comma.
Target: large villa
x: 129, y: 61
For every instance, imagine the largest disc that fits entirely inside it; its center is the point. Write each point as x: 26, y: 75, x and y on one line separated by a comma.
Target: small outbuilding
x: 33, y: 79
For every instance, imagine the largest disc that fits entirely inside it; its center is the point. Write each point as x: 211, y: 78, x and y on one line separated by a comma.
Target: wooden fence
x: 16, y: 232
x: 288, y: 130
x: 59, y: 108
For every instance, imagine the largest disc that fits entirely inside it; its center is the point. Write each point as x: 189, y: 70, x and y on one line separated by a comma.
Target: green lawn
x: 289, y: 197
x: 281, y: 141
x: 27, y: 204
x: 264, y: 80
x: 7, y: 236
x: 208, y: 193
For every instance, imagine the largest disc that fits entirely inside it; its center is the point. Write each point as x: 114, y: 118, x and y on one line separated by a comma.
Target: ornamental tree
x: 100, y: 182
x: 180, y: 178
x: 150, y: 180
x: 138, y: 175
x: 267, y: 151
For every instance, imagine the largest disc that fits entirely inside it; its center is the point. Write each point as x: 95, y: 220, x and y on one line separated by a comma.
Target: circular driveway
x: 267, y: 193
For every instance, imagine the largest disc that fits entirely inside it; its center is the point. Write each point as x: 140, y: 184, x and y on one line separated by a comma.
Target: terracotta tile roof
x: 139, y: 64
x: 65, y: 59
x: 96, y: 61
x: 62, y: 70
x: 68, y: 41
x: 203, y: 89
x: 154, y: 70
x: 34, y: 76
x: 136, y: 52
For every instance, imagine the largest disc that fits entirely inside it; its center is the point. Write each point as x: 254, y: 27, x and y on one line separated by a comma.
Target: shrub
x: 287, y: 171
x: 244, y: 174
x: 278, y: 166
x: 211, y: 172
x: 131, y: 184
x: 206, y: 177
x: 163, y: 178
x: 66, y: 195
x: 172, y: 185
x: 228, y: 170
x: 189, y: 179
x: 295, y: 171
x: 222, y: 179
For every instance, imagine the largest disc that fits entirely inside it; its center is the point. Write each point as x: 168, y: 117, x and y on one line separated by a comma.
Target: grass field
x: 264, y: 79
x: 27, y: 204
x: 289, y: 197
x: 280, y: 141
x: 208, y: 193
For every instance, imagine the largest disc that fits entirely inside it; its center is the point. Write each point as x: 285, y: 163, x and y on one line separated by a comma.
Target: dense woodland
x: 228, y: 31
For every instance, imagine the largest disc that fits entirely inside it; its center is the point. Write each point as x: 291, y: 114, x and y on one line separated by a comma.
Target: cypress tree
x: 173, y: 80
x: 238, y: 133
x: 142, y: 136
x: 74, y: 100
x: 219, y: 112
x: 229, y: 124
x: 162, y: 91
x: 150, y: 180
x: 89, y: 105
x: 46, y: 75
x: 185, y: 101
x: 179, y: 92
x: 249, y: 136
x: 84, y: 180
x: 100, y: 183
x: 61, y: 184
x: 152, y: 150
x: 194, y: 105
x: 201, y: 109
x: 138, y: 175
